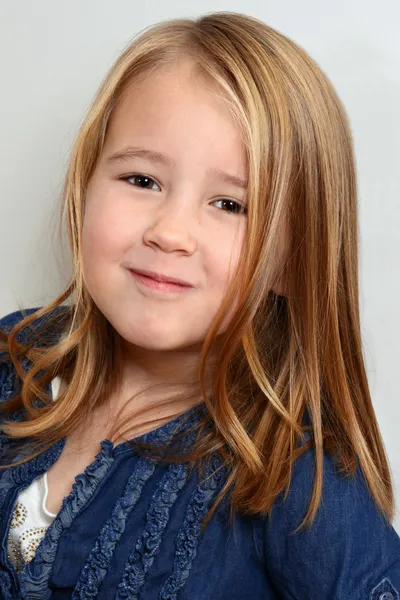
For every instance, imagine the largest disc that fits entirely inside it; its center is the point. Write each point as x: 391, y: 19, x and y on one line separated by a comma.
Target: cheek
x: 107, y: 229
x: 223, y: 252
x: 225, y: 259
x: 107, y: 234
x: 234, y: 258
x: 231, y: 254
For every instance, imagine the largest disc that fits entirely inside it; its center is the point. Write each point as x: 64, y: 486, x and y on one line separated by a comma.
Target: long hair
x: 282, y: 355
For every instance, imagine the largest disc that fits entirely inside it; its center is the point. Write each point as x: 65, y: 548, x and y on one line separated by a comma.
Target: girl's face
x: 166, y: 197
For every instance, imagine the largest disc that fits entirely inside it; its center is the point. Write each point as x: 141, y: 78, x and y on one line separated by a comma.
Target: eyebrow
x: 131, y: 152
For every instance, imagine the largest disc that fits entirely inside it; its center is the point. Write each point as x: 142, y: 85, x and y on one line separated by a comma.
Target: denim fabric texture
x: 130, y: 528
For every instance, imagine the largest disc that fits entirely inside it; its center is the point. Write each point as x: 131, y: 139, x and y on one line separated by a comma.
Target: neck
x: 160, y: 383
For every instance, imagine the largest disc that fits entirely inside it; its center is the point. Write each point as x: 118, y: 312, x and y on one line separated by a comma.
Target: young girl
x: 191, y: 418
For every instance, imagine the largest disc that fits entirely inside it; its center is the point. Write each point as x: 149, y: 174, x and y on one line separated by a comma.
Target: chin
x: 156, y: 339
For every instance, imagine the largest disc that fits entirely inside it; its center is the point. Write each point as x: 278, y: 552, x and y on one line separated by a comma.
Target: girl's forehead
x: 170, y: 113
x: 164, y: 91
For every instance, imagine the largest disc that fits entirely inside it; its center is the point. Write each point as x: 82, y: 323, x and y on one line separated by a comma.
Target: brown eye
x: 233, y: 206
x: 142, y: 181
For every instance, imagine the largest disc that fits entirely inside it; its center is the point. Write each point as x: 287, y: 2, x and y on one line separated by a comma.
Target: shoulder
x: 56, y: 316
x: 8, y: 321
x: 350, y: 550
x: 9, y: 381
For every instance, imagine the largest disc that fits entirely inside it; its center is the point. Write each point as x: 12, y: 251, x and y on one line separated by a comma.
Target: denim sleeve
x: 349, y: 552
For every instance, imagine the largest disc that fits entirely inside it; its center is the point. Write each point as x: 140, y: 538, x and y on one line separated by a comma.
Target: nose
x: 170, y: 229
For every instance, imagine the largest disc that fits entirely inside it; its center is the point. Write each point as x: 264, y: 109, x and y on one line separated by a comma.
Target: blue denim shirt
x: 130, y: 528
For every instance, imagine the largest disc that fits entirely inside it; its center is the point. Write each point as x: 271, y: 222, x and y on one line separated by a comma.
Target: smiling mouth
x: 161, y: 286
x: 159, y: 277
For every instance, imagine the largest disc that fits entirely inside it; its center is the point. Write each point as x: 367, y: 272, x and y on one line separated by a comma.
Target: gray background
x: 53, y: 55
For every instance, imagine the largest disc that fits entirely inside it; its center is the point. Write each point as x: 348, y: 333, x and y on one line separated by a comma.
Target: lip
x: 159, y: 287
x: 161, y: 278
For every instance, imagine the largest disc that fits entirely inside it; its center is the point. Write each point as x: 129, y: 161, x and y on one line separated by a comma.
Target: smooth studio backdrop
x: 53, y: 56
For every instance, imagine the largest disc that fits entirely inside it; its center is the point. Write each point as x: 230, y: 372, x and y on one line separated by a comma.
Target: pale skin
x: 184, y: 221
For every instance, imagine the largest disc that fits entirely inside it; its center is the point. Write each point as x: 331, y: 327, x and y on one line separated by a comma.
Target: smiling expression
x: 168, y: 195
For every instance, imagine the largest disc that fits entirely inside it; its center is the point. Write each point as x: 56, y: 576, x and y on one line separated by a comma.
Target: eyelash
x: 242, y: 210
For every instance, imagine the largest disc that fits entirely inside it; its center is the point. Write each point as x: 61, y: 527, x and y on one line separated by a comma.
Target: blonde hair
x: 281, y: 355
